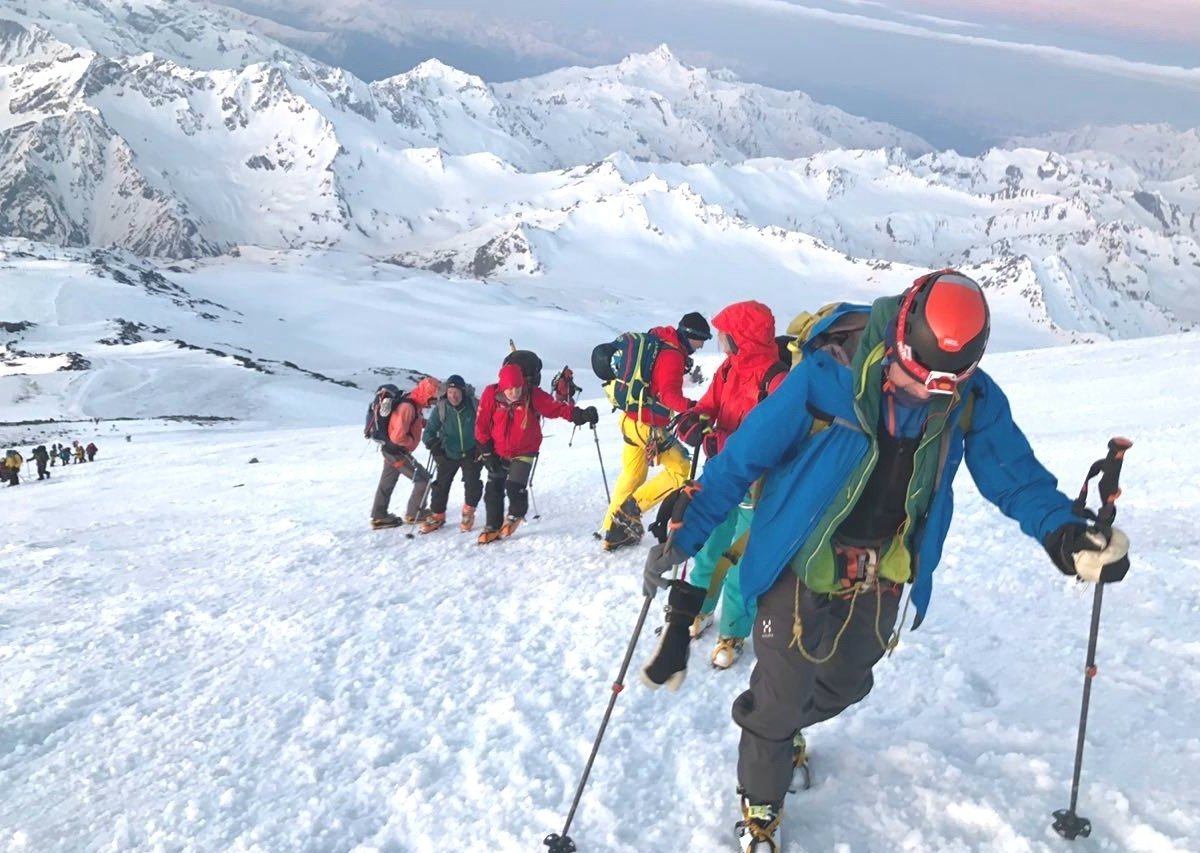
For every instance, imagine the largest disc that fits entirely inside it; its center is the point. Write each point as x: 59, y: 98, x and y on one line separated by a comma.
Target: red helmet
x: 942, y: 329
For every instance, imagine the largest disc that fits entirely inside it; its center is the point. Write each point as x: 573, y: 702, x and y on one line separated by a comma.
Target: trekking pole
x: 1067, y: 823
x: 425, y: 496
x: 561, y: 842
x: 603, y: 473
x: 529, y: 487
x: 572, y: 439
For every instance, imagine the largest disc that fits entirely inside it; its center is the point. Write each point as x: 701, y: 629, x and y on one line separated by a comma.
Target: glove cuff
x: 684, y: 602
x: 1057, y: 545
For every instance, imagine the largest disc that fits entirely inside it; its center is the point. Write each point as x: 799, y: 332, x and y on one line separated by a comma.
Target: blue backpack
x: 386, y: 400
x: 625, y: 366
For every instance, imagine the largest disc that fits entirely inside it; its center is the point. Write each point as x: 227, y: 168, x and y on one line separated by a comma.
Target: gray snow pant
x: 393, y: 468
x: 787, y: 691
x: 511, y: 477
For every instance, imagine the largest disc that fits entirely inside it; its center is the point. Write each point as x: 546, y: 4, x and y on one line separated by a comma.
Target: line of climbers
x: 500, y: 434
x: 10, y: 466
x: 828, y: 481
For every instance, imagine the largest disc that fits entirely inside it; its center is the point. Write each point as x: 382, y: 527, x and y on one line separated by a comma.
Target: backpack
x: 530, y: 364
x: 387, y: 398
x: 561, y: 384
x: 624, y: 366
x: 840, y: 338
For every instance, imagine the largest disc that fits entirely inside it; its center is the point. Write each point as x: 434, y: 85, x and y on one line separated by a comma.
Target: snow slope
x: 303, y: 337
x: 203, y: 654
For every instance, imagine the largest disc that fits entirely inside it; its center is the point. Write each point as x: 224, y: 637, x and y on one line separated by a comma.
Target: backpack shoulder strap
x: 968, y: 412
x: 774, y: 370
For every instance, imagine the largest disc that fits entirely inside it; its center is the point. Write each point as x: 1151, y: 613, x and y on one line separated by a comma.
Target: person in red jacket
x: 404, y: 433
x: 752, y: 369
x: 647, y: 441
x: 509, y: 431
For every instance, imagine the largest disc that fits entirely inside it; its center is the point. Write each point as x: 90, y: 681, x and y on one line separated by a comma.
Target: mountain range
x: 167, y: 132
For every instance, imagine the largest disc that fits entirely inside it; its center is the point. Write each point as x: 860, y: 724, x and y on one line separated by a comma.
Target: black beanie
x: 693, y: 325
x: 456, y: 381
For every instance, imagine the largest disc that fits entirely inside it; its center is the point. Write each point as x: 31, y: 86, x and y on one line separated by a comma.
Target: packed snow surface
x: 200, y: 654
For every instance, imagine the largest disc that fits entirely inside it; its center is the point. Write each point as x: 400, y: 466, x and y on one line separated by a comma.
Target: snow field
x: 203, y: 654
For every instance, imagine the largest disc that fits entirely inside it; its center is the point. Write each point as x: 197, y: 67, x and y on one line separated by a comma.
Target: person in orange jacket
x: 403, y: 434
x: 509, y: 432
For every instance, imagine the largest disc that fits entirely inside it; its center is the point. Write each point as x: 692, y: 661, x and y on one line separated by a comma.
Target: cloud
x: 1183, y: 77
x: 931, y: 19
x: 1175, y: 20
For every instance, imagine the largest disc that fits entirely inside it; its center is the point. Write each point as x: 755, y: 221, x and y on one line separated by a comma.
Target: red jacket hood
x: 752, y: 327
x: 425, y: 392
x: 671, y: 335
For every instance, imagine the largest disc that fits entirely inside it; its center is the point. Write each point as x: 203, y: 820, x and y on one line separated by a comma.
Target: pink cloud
x: 1176, y: 20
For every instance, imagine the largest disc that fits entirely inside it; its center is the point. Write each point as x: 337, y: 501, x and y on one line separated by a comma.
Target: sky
x: 961, y: 74
x: 203, y: 654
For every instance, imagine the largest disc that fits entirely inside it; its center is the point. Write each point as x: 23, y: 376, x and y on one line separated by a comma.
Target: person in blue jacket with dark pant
x: 857, y: 450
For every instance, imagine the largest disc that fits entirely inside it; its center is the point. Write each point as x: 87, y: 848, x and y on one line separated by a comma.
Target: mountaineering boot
x: 388, y: 520
x: 468, y: 519
x: 669, y: 664
x: 510, y: 525
x: 434, y: 522
x: 758, y: 830
x: 728, y: 650
x: 616, y: 537
x: 700, y: 625
x: 421, y: 515
x: 629, y: 516
x: 800, y: 760
x: 488, y: 535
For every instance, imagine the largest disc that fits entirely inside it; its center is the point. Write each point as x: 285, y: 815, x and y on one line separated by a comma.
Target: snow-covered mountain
x: 648, y: 181
x: 1159, y: 151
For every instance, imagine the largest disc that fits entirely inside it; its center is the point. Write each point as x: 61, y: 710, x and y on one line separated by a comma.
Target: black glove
x: 669, y: 664
x: 579, y: 416
x: 486, y: 449
x: 1082, y: 551
x: 436, y: 447
x: 711, y: 445
x: 691, y: 427
x: 659, y: 561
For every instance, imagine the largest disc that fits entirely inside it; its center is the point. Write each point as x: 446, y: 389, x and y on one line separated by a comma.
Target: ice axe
x: 1067, y: 823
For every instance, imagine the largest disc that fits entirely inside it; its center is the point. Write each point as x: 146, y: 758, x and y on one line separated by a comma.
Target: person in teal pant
x: 751, y: 370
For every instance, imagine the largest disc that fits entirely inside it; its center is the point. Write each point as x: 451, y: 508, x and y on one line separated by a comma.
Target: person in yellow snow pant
x: 645, y: 447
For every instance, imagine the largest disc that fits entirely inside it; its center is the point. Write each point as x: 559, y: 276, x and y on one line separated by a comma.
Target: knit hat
x: 511, y: 377
x: 693, y: 325
x: 456, y: 381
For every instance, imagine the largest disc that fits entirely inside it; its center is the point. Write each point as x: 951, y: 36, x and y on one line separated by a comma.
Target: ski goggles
x: 935, y: 381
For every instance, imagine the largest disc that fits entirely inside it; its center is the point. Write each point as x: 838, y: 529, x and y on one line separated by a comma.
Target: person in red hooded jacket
x: 647, y: 441
x: 752, y: 369
x: 509, y: 431
x: 404, y: 433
